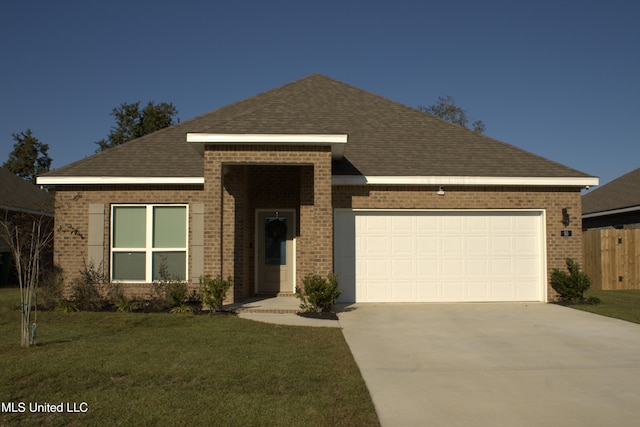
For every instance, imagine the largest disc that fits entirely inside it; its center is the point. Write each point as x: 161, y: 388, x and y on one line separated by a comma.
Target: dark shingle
x: 385, y: 138
x: 18, y: 194
x: 623, y: 192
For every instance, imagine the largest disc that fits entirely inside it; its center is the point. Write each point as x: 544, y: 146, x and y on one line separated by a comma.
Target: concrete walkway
x: 278, y: 310
x: 495, y: 364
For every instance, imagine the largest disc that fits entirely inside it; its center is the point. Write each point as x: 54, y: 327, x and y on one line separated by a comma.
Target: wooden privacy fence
x: 612, y: 258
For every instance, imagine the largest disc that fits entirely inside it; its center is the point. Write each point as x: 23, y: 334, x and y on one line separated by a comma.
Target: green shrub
x: 319, y: 294
x: 88, y: 292
x: 66, y: 306
x: 593, y: 300
x: 181, y: 309
x: 176, y: 293
x: 570, y: 286
x: 214, y: 290
x: 127, y: 305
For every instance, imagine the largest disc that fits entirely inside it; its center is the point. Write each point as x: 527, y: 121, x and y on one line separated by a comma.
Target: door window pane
x: 129, y: 266
x: 129, y: 226
x: 169, y: 227
x: 275, y: 241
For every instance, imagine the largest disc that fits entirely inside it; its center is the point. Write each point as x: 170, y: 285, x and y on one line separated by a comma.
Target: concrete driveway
x: 495, y: 364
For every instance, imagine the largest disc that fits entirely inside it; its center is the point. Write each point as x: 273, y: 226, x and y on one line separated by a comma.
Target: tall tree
x: 446, y: 109
x: 29, y: 157
x: 133, y: 122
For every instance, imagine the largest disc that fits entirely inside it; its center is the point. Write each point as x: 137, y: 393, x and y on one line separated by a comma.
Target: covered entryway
x: 440, y: 256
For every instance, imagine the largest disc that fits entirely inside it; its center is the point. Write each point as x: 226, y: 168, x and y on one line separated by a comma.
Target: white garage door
x: 439, y: 256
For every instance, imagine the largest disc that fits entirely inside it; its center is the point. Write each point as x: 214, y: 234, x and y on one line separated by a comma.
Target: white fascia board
x: 87, y: 180
x: 464, y: 180
x: 611, y: 212
x: 336, y: 141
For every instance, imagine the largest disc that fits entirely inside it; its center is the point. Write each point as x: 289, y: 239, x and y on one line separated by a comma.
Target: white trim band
x: 464, y: 180
x: 105, y: 180
x: 336, y: 141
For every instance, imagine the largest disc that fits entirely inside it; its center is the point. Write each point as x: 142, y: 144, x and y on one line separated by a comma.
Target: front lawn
x: 623, y: 305
x: 164, y: 369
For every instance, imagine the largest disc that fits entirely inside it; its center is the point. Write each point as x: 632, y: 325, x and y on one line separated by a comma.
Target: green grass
x: 623, y: 305
x: 163, y: 369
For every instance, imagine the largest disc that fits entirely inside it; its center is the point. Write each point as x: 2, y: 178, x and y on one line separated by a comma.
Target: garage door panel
x: 452, y: 291
x: 402, y: 223
x: 477, y: 267
x: 403, y: 291
x: 451, y: 223
x: 403, y: 245
x: 477, y: 245
x: 452, y: 245
x: 426, y: 268
x: 478, y: 290
x: 402, y: 268
x: 441, y: 256
x: 427, y: 245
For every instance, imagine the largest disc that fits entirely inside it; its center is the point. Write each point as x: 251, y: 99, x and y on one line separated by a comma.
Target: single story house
x: 18, y: 197
x: 318, y: 176
x: 615, y: 204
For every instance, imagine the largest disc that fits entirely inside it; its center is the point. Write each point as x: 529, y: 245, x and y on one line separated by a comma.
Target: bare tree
x: 27, y: 235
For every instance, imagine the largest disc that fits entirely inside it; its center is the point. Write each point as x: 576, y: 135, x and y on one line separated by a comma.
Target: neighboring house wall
x: 621, y: 220
x: 552, y: 200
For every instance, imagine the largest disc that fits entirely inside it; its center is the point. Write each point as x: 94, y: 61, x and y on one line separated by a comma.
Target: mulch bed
x: 321, y: 315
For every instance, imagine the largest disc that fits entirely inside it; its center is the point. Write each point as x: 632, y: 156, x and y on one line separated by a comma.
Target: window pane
x: 169, y: 227
x: 128, y: 266
x: 129, y: 226
x: 275, y: 241
x: 173, y: 263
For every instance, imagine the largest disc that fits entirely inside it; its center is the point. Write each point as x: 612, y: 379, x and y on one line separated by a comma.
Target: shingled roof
x: 16, y: 194
x: 621, y: 193
x: 385, y: 138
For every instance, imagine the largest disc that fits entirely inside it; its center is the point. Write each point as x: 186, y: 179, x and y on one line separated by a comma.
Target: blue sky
x: 557, y: 78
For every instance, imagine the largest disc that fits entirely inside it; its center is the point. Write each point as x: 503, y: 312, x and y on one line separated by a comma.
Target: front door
x: 275, y: 251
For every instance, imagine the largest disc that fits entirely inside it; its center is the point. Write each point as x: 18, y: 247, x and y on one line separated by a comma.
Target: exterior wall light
x: 565, y: 217
x: 440, y: 191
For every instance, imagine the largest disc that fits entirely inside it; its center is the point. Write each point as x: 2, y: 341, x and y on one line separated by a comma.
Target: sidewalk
x: 277, y: 310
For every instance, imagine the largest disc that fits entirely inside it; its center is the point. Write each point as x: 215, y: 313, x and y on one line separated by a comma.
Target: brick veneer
x: 72, y: 221
x: 259, y: 177
x: 297, y: 178
x: 552, y: 200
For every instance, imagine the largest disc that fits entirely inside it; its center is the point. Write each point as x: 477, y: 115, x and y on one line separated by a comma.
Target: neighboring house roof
x: 16, y: 194
x: 617, y: 196
x: 385, y: 138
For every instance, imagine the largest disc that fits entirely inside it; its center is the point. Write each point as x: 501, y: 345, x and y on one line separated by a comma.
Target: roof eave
x: 107, y: 180
x: 466, y: 180
x: 611, y: 212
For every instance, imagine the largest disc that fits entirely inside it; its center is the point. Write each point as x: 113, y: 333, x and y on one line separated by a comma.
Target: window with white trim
x: 146, y: 238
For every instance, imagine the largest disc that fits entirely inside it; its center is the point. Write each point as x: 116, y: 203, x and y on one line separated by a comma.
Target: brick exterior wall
x: 72, y: 226
x: 552, y: 200
x: 258, y: 177
x: 299, y: 178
